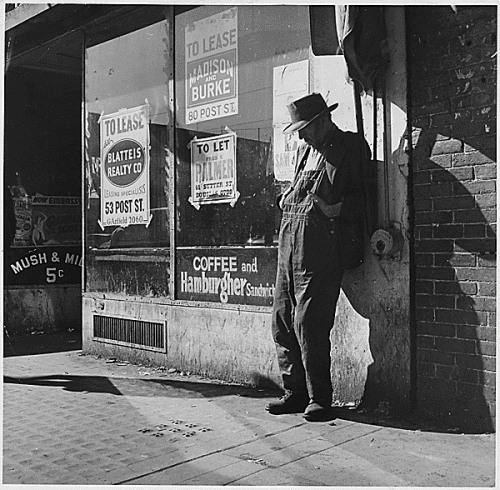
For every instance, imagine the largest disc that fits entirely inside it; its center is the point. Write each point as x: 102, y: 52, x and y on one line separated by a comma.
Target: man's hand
x: 329, y: 210
x: 283, y: 197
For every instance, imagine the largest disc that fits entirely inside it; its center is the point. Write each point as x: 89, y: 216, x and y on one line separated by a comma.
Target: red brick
x: 433, y: 190
x: 489, y: 363
x: 478, y: 318
x: 436, y: 273
x: 488, y: 379
x: 485, y: 172
x: 467, y: 375
x: 474, y: 187
x: 487, y: 261
x: 475, y: 230
x: 419, y: 123
x: 454, y: 287
x: 424, y: 315
x: 462, y: 260
x: 436, y: 329
x: 472, y: 158
x: 433, y: 356
x: 486, y: 201
x: 449, y: 316
x: 447, y: 231
x: 424, y: 287
x: 431, y: 300
x: 483, y: 113
x: 423, y: 218
x: 475, y: 245
x: 492, y: 319
x: 427, y: 107
x: 425, y: 342
x: 456, y: 202
x: 444, y: 119
x: 485, y: 303
x: 440, y: 161
x: 487, y: 289
x: 472, y: 100
x: 456, y: 173
x: 463, y: 131
x: 421, y: 177
x: 471, y: 361
x: 423, y: 232
x: 469, y: 216
x: 491, y: 230
x: 462, y: 346
x: 423, y: 204
x: 472, y: 393
x: 446, y: 372
x: 426, y: 369
x: 463, y: 116
x: 473, y: 332
x: 450, y: 146
x: 465, y: 303
x: 436, y: 391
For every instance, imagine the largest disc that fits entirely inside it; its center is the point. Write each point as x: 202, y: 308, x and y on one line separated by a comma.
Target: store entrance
x: 43, y: 175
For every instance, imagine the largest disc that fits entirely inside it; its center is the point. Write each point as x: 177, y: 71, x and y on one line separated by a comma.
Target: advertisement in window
x: 211, y: 55
x: 213, y: 170
x: 125, y: 187
x: 227, y: 276
x: 290, y: 82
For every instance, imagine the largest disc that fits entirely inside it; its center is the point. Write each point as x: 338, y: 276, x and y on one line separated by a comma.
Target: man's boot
x: 290, y: 402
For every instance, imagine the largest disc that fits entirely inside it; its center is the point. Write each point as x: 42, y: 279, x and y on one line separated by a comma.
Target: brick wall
x: 452, y: 99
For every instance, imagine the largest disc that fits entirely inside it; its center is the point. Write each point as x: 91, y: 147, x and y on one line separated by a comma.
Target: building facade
x: 171, y: 122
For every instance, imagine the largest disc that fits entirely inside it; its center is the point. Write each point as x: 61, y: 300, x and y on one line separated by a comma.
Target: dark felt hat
x: 305, y: 110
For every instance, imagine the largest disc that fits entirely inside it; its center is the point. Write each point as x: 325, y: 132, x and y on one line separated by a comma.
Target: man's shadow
x: 453, y: 330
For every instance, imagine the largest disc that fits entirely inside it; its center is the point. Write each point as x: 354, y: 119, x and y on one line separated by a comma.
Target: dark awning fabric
x: 357, y: 32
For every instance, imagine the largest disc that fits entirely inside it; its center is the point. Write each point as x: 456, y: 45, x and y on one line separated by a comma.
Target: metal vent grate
x: 131, y: 333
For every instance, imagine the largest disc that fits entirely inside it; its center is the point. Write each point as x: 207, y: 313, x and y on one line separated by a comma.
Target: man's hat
x: 305, y: 110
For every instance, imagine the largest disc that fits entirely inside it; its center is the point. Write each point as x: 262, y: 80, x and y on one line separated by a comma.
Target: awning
x: 357, y: 32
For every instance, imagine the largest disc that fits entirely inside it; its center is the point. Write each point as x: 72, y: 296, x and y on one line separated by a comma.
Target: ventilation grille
x: 131, y: 333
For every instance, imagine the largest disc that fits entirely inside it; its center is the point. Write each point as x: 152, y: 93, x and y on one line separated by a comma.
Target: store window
x: 236, y: 70
x: 127, y: 113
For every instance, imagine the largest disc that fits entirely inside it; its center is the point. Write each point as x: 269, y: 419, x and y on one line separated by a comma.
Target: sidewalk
x: 76, y: 419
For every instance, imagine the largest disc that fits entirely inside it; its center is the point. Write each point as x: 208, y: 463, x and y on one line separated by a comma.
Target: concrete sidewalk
x: 75, y: 419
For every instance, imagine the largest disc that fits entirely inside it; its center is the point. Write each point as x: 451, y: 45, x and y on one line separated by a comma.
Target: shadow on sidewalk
x: 171, y: 388
x: 140, y: 387
x: 25, y: 345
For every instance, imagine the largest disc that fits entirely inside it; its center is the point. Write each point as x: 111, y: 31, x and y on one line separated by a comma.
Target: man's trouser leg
x: 307, y: 289
x: 287, y: 346
x: 317, y: 279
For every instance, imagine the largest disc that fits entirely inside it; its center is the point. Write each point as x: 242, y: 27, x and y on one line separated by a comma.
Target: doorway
x: 43, y: 175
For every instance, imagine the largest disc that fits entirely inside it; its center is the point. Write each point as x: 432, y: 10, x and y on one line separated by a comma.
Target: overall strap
x: 301, y: 164
x: 322, y: 169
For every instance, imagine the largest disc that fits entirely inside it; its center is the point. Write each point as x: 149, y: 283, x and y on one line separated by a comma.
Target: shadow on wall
x: 379, y: 296
x: 454, y: 248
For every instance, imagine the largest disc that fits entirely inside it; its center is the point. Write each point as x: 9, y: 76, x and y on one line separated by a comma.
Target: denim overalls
x: 308, y: 283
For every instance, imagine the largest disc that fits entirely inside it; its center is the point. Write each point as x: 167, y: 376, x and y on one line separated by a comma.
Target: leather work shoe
x: 289, y: 403
x: 316, y: 412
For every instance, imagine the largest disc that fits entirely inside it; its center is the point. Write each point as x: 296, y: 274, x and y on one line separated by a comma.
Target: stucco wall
x: 371, y: 337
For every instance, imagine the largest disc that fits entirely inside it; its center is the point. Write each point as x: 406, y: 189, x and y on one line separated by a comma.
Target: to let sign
x: 213, y: 170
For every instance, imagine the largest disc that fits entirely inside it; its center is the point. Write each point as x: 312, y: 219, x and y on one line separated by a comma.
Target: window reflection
x: 225, y: 83
x: 122, y: 76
